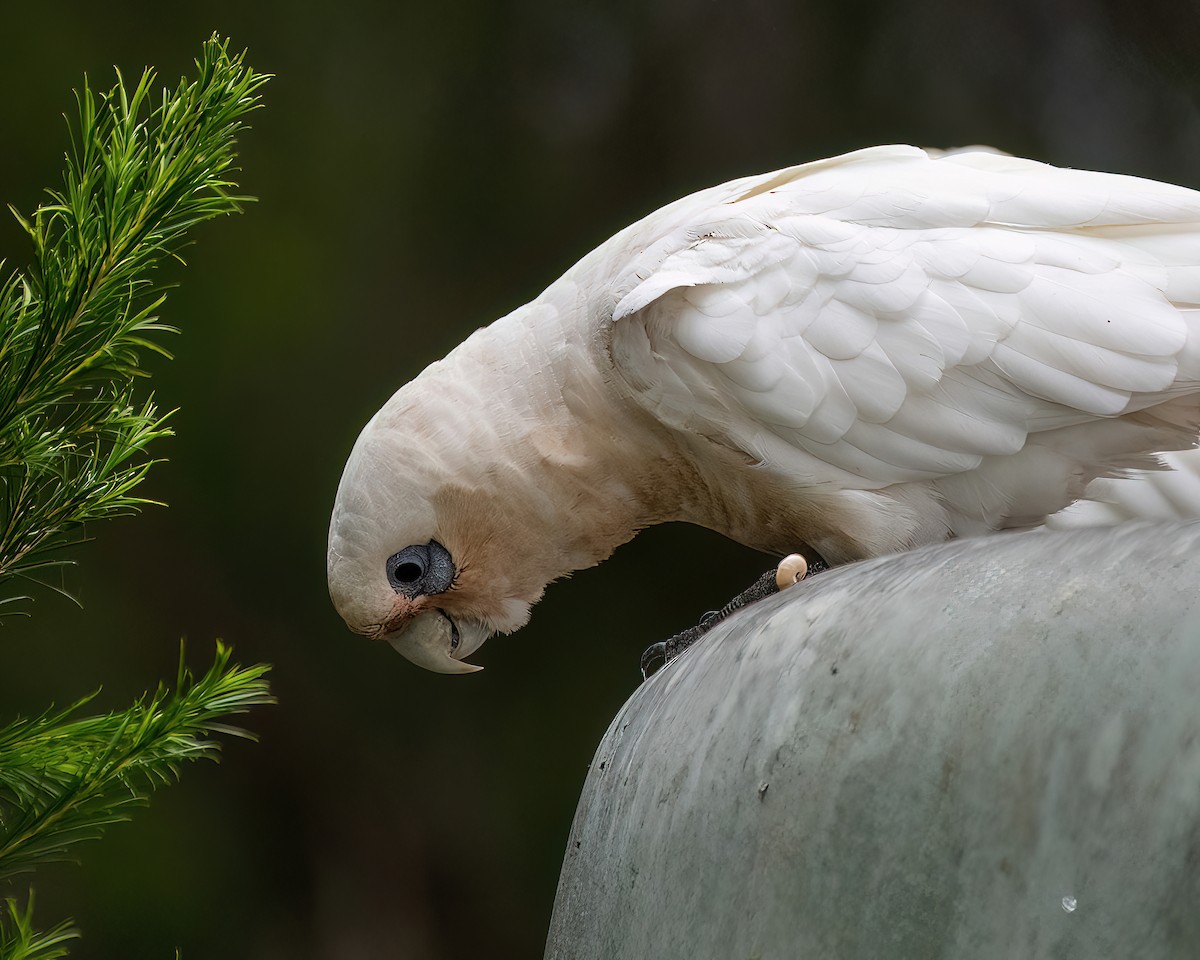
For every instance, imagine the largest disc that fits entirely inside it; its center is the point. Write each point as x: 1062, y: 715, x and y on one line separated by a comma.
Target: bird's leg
x: 791, y: 569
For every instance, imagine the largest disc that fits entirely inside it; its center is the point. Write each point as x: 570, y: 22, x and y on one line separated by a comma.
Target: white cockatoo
x: 853, y: 356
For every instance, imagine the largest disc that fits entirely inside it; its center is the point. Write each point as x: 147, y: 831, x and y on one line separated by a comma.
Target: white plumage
x: 858, y: 355
x: 1169, y: 493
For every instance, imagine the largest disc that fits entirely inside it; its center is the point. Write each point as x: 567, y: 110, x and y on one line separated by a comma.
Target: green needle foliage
x: 19, y: 941
x: 72, y: 330
x: 63, y: 780
x: 73, y: 439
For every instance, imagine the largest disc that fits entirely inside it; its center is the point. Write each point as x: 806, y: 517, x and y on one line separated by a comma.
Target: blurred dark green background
x: 424, y: 168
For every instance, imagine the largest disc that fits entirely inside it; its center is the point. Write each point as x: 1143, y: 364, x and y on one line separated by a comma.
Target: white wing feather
x: 891, y: 316
x: 1172, y: 493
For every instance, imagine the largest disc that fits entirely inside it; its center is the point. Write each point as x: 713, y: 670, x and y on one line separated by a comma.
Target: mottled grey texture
x: 912, y: 758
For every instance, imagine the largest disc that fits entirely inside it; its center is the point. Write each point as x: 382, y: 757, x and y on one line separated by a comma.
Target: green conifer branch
x: 63, y: 780
x: 19, y: 941
x: 73, y: 440
x: 139, y: 174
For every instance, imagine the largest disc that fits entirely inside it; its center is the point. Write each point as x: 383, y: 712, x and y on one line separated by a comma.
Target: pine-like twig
x: 63, y: 780
x: 73, y: 438
x: 19, y: 941
x: 73, y: 435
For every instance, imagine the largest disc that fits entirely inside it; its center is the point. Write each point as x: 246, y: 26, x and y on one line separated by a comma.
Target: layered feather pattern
x: 856, y: 355
x: 896, y: 316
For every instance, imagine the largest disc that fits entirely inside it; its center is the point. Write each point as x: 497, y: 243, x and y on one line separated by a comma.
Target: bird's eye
x: 423, y: 569
x: 409, y: 572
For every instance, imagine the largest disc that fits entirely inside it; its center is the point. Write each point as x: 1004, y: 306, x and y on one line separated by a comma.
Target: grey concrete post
x: 985, y: 749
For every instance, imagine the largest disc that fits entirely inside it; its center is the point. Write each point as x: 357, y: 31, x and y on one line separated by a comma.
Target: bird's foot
x: 791, y: 569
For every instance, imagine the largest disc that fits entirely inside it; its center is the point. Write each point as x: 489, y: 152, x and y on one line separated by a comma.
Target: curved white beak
x: 431, y: 640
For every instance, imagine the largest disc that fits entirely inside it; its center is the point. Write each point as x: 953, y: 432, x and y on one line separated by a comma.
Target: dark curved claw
x: 658, y: 655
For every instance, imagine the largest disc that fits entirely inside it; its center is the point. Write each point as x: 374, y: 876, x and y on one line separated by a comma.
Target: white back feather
x: 891, y: 316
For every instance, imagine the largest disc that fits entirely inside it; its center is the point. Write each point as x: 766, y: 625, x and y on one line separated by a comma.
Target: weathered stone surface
x: 986, y: 749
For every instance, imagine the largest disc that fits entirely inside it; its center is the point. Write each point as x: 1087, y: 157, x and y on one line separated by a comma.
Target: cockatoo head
x: 421, y: 548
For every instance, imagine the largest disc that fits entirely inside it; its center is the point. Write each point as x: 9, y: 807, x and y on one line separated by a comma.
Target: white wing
x: 889, y: 316
x: 1169, y: 494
